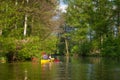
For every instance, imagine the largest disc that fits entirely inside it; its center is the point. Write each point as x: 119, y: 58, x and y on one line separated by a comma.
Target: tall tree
x: 27, y: 18
x: 90, y: 15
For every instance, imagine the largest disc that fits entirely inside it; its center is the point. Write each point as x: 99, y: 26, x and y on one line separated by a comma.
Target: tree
x: 93, y: 20
x: 22, y: 20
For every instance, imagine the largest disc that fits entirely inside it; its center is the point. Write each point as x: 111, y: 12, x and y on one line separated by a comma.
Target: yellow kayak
x: 43, y: 61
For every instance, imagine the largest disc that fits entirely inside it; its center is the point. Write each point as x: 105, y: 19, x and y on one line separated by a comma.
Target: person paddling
x: 44, y: 56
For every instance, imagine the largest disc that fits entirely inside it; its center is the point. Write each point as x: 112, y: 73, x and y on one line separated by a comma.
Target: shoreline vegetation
x: 86, y: 28
x: 35, y: 59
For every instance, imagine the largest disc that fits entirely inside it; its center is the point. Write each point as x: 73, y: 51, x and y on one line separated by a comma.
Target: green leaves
x: 94, y: 21
x: 111, y: 47
x: 39, y: 27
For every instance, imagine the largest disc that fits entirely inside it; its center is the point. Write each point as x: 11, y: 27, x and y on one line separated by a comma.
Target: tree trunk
x: 0, y: 32
x: 25, y: 25
x: 66, y: 45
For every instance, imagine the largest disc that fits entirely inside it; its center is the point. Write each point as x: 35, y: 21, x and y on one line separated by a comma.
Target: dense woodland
x: 97, y: 24
x: 87, y: 28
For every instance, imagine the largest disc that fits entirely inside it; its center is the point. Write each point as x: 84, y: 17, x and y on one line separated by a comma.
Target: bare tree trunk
x: 66, y: 44
x: 16, y: 2
x: 25, y: 25
x: 0, y: 32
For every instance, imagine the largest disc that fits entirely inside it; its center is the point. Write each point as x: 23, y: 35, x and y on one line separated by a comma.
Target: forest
x: 87, y: 28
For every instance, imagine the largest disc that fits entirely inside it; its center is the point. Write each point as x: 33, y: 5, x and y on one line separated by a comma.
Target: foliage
x: 40, y: 26
x: 28, y: 48
x: 85, y: 48
x: 111, y: 47
x: 49, y: 45
x: 82, y: 49
x: 61, y: 46
x: 75, y: 49
x: 93, y: 21
x: 7, y: 45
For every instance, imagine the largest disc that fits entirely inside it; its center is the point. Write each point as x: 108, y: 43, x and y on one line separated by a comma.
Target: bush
x: 82, y: 49
x: 111, y: 47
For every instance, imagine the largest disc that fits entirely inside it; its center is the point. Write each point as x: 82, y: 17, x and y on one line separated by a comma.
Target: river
x: 73, y: 68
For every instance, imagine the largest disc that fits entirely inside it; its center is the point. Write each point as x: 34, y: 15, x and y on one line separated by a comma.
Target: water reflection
x: 26, y: 75
x: 71, y: 68
x: 91, y: 68
x: 19, y: 71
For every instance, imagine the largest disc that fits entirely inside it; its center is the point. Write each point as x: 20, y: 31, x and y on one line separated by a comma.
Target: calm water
x: 69, y: 69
